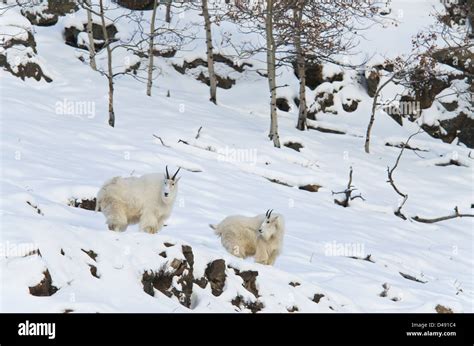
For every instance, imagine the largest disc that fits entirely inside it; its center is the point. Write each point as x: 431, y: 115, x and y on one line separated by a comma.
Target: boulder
x: 314, y: 74
x: 140, y: 5
x: 71, y: 35
x: 47, y: 12
x: 215, y: 274
x: 461, y: 127
x: 282, y: 104
x: 45, y: 288
x: 350, y: 105
x: 325, y: 101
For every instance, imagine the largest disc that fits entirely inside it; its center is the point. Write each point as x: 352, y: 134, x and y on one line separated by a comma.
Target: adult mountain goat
x: 147, y: 200
x: 260, y: 236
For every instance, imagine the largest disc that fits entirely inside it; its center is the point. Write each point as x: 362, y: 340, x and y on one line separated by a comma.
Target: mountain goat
x: 147, y: 200
x: 260, y: 236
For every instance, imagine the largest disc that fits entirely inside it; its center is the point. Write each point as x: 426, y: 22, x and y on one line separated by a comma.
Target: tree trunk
x: 303, y: 108
x: 168, y: 12
x: 110, y: 73
x: 210, y: 53
x: 151, y: 49
x: 470, y: 18
x: 271, y: 52
x: 301, y: 65
x: 371, y: 123
x: 372, y: 115
x: 91, y: 36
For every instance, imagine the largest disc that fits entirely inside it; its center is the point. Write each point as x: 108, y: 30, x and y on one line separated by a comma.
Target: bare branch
x: 162, y: 142
x: 442, y: 218
x: 347, y: 192
x: 398, y: 211
x: 198, y: 133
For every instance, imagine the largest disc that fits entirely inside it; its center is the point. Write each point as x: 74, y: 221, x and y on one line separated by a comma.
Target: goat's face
x: 170, y: 187
x: 269, y: 225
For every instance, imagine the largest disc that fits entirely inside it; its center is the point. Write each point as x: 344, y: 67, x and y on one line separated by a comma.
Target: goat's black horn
x: 270, y: 213
x: 174, y: 176
x: 167, y: 173
x: 266, y: 214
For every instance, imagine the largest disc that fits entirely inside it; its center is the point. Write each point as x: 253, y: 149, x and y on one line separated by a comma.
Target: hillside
x: 57, y: 150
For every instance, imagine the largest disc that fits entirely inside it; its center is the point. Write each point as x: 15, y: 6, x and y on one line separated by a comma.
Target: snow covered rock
x: 18, y: 48
x: 136, y: 4
x: 316, y: 75
x: 47, y: 12
x: 75, y: 35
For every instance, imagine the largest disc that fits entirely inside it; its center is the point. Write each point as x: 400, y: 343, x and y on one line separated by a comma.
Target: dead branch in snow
x: 348, y: 193
x: 442, y: 218
x: 390, y: 180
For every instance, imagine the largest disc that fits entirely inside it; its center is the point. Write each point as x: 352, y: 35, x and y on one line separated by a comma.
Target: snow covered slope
x: 56, y: 147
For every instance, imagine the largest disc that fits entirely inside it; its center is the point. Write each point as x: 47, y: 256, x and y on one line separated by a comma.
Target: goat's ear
x: 275, y: 218
x: 177, y: 179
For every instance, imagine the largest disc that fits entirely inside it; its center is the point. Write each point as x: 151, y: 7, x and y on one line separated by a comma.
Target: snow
x: 50, y: 157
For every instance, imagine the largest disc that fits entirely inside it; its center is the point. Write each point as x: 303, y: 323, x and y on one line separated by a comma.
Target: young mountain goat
x: 147, y: 200
x: 260, y: 236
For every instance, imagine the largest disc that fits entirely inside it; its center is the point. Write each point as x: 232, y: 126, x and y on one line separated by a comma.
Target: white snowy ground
x: 48, y: 158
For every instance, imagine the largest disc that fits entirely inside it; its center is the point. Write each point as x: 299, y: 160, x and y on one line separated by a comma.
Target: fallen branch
x: 390, y: 180
x: 198, y: 133
x: 412, y: 278
x: 348, y: 193
x: 38, y: 210
x: 162, y: 143
x: 368, y: 258
x: 442, y: 218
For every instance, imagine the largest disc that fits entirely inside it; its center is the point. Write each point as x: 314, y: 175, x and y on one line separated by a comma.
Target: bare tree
x: 90, y: 35
x: 319, y: 31
x: 447, y: 42
x: 161, y: 35
x: 259, y: 17
x: 301, y: 63
x: 210, y: 51
x: 110, y: 72
x: 271, y: 68
x: 168, y: 11
x: 109, y: 44
x: 151, y: 49
x: 375, y: 106
x: 401, y: 73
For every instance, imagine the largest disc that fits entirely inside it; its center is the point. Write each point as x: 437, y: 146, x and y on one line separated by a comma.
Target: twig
x: 368, y: 258
x: 163, y: 143
x: 198, y: 133
x: 442, y: 218
x: 38, y: 210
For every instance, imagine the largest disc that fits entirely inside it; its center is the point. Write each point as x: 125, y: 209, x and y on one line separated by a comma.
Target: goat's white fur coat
x: 142, y: 200
x: 257, y: 236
